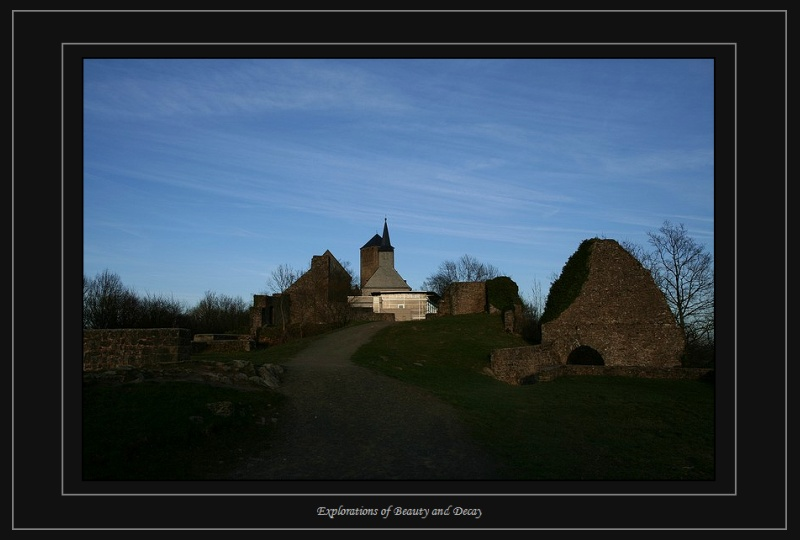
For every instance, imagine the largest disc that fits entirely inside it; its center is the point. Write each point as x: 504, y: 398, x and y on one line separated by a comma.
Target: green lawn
x: 598, y: 428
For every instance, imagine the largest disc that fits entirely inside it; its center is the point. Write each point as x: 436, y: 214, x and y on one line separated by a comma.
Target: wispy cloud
x: 514, y: 159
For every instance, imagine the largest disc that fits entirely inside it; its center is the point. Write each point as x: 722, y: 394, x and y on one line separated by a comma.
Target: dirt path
x: 344, y: 422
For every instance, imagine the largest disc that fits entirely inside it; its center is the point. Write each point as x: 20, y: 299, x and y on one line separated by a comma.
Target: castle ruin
x: 618, y: 318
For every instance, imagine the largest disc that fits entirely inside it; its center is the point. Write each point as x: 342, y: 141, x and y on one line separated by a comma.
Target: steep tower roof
x: 386, y: 245
x: 374, y: 241
x: 381, y: 242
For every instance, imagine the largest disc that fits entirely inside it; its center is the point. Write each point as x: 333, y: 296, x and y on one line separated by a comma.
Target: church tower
x: 377, y: 265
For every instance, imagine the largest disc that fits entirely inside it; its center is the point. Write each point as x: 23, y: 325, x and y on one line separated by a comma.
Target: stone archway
x: 585, y: 356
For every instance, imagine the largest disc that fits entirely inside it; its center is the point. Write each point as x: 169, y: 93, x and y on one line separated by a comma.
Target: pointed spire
x: 385, y: 243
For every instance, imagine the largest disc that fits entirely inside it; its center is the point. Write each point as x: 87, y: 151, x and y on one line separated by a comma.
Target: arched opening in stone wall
x: 585, y: 356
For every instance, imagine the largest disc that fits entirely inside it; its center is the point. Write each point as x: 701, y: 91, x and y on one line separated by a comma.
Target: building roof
x: 374, y: 241
x: 386, y: 278
x: 381, y: 242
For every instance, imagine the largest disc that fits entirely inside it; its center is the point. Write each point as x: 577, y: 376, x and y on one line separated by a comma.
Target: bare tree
x: 444, y: 276
x: 471, y: 269
x: 219, y: 314
x: 536, y: 302
x: 533, y: 308
x: 354, y: 279
x: 161, y: 311
x: 280, y: 279
x: 684, y: 272
x: 108, y: 303
x: 467, y: 268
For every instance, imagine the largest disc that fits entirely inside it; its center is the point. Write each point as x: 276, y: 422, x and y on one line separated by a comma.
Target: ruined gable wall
x: 620, y: 312
x: 319, y: 295
x: 309, y: 293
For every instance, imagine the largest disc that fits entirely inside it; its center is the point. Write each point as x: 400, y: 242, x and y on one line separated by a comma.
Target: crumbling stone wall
x: 513, y: 319
x: 319, y: 296
x: 619, y: 313
x: 106, y: 349
x: 325, y: 281
x: 463, y: 297
x: 222, y: 343
x: 269, y: 311
x: 515, y: 364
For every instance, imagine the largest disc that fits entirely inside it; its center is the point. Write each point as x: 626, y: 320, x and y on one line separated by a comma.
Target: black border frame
x: 750, y: 50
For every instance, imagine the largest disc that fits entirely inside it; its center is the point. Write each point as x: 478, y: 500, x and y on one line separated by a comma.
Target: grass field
x: 599, y: 428
x: 573, y: 428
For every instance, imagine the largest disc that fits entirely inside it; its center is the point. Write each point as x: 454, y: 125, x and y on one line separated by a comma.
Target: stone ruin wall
x: 620, y: 313
x: 514, y: 365
x: 512, y: 318
x: 107, y: 349
x: 466, y: 297
x: 462, y: 298
x: 222, y: 343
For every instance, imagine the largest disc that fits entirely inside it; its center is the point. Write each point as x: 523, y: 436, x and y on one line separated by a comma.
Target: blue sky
x: 205, y: 175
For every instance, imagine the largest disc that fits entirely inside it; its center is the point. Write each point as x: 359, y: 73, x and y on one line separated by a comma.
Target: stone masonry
x: 463, y: 297
x: 620, y: 314
x: 107, y: 349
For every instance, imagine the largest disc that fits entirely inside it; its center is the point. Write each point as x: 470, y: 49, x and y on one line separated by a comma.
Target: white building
x: 384, y: 289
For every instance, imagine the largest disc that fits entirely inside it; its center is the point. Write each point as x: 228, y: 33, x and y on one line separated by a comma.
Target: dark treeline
x: 108, y: 303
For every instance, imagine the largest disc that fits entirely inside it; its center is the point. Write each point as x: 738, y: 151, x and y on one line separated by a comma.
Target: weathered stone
x: 132, y: 347
x: 276, y: 370
x: 516, y: 365
x: 464, y: 297
x: 620, y: 314
x: 243, y: 366
x: 269, y: 375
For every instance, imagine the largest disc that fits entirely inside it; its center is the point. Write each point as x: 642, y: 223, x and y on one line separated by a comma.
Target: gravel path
x: 345, y: 422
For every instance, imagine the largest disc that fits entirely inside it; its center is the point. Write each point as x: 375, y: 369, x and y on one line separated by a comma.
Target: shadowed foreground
x: 344, y: 422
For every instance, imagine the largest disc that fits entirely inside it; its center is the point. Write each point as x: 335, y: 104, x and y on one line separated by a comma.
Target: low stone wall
x: 539, y: 363
x: 106, y: 349
x: 231, y: 345
x: 222, y: 343
x: 220, y: 337
x: 515, y: 365
x: 638, y: 371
